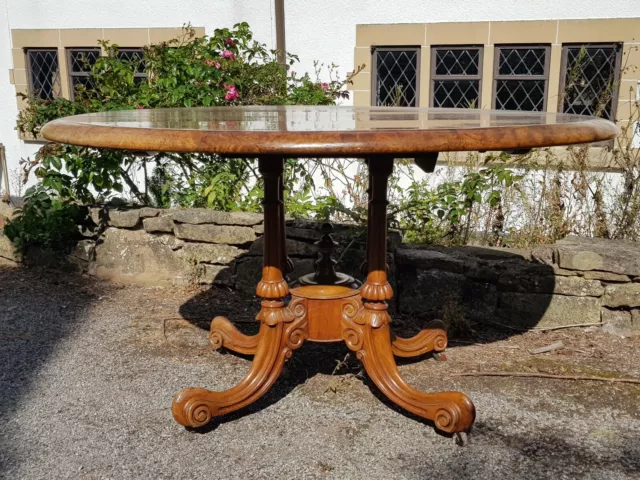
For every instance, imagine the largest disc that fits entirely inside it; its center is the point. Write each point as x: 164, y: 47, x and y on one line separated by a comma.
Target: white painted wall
x: 326, y: 30
x: 8, y: 106
x: 323, y: 31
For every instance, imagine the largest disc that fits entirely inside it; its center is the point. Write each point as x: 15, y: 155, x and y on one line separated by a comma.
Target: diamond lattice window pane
x: 456, y: 93
x: 458, y: 62
x: 526, y: 95
x: 590, y: 80
x: 44, y: 73
x: 134, y: 56
x: 396, y: 78
x: 84, y: 81
x: 522, y: 61
x: 130, y: 55
x: 82, y: 60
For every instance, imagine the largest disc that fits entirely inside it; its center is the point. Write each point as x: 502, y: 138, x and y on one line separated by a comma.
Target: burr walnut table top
x: 325, y: 131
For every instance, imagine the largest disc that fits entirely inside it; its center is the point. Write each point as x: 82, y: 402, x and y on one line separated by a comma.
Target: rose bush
x: 226, y: 68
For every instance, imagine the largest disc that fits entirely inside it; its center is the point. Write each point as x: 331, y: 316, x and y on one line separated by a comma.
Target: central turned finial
x: 325, y: 273
x: 325, y: 266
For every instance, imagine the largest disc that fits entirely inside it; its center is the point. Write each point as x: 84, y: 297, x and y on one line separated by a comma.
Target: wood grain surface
x: 325, y: 131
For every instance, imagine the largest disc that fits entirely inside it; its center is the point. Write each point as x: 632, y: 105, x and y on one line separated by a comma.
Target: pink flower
x: 212, y: 63
x: 229, y: 54
x: 325, y: 86
x: 230, y: 42
x: 232, y: 93
x: 139, y: 107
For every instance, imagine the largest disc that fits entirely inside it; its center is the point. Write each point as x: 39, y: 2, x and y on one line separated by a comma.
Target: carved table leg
x: 367, y: 333
x: 282, y: 328
x: 366, y: 330
x: 280, y: 334
x: 433, y: 338
x: 224, y: 334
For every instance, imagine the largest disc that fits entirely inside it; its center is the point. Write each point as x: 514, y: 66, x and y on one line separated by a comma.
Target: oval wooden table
x: 325, y: 311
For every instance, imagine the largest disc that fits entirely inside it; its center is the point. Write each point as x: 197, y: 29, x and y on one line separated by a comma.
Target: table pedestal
x: 325, y: 313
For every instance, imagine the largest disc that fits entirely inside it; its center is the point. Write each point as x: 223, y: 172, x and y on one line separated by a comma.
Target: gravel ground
x: 88, y: 371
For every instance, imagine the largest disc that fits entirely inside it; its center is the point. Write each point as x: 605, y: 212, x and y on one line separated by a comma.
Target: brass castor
x: 440, y: 356
x: 461, y: 439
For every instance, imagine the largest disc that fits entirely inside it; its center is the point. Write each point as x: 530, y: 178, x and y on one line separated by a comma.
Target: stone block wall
x: 199, y: 246
x: 576, y: 281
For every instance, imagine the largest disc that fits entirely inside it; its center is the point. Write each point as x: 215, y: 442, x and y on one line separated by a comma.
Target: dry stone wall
x: 178, y: 247
x: 575, y: 281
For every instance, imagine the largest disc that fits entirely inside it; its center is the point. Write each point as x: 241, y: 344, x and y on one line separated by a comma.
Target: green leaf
x: 56, y: 162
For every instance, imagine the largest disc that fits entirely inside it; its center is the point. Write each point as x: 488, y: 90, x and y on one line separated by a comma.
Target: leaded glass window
x: 80, y: 61
x: 135, y: 56
x: 456, y: 77
x: 396, y: 76
x: 521, y: 76
x: 590, y: 81
x: 44, y: 73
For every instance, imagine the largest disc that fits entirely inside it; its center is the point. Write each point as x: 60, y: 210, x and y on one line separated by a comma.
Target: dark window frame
x: 30, y: 86
x: 617, y: 71
x: 434, y: 78
x: 374, y: 69
x: 73, y: 74
x: 498, y: 77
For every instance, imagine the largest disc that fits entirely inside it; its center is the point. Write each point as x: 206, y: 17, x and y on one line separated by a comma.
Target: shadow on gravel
x: 37, y: 312
x: 309, y: 360
x: 541, y: 454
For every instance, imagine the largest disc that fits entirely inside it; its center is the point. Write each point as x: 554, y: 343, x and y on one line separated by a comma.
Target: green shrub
x: 227, y: 68
x: 45, y: 221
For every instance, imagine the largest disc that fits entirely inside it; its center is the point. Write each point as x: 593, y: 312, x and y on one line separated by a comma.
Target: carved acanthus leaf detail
x: 272, y: 289
x: 272, y: 313
x: 376, y: 292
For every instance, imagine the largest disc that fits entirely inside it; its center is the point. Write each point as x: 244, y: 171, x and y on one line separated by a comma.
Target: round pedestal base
x: 324, y: 305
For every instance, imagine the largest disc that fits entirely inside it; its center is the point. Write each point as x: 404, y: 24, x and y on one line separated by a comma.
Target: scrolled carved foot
x: 224, y: 334
x: 369, y: 336
x: 433, y: 338
x: 281, y: 332
x: 191, y: 407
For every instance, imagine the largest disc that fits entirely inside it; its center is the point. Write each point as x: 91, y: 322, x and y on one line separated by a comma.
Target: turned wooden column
x: 272, y: 285
x: 287, y: 264
x: 377, y: 288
